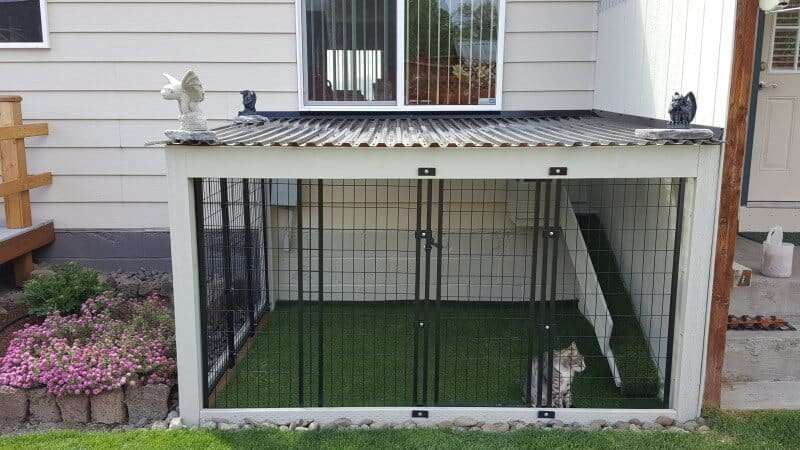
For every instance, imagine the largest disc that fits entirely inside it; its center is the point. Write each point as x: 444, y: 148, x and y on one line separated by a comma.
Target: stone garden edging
x: 135, y: 404
x: 466, y: 424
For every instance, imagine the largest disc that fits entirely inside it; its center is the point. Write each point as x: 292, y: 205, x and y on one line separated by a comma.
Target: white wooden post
x: 183, y: 246
x: 694, y: 288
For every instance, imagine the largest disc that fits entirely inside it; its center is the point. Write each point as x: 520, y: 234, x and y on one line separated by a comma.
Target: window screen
x: 350, y: 50
x: 20, y: 21
x: 451, y: 52
x: 785, y: 39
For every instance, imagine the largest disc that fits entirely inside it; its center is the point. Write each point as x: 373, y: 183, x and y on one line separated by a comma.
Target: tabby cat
x: 567, y: 363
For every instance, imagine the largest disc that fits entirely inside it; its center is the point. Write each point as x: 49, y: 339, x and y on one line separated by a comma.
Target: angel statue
x: 189, y: 93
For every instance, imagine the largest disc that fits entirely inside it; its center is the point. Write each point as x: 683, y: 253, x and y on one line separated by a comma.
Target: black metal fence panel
x: 438, y: 292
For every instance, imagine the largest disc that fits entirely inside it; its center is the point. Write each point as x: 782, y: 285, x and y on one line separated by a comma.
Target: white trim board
x: 435, y: 414
x: 451, y: 162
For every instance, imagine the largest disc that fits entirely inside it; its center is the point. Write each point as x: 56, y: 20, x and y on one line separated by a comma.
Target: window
x: 23, y: 23
x: 785, y: 39
x: 400, y: 54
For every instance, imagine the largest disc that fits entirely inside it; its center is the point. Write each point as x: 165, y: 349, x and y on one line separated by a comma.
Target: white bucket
x: 776, y: 255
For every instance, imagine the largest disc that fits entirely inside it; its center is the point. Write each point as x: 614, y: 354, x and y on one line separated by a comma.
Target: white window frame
x: 775, y: 28
x: 45, y: 43
x: 398, y: 104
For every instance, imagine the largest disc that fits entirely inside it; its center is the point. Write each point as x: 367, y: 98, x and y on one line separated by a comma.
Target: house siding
x: 649, y: 49
x: 97, y: 87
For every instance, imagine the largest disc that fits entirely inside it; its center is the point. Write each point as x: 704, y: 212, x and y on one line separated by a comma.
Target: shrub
x: 63, y: 290
x: 111, y: 342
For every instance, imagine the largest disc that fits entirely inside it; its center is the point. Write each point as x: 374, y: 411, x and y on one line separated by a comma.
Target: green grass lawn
x: 368, y: 357
x: 758, y: 430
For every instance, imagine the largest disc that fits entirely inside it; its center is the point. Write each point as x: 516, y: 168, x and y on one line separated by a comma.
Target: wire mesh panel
x: 438, y: 292
x: 234, y: 279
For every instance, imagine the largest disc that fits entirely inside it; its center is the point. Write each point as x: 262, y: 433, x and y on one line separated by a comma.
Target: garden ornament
x: 188, y: 92
x: 249, y: 103
x: 249, y: 115
x: 682, y: 111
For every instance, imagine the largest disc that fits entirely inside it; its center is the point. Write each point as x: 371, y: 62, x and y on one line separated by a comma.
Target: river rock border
x: 139, y: 405
x: 465, y: 424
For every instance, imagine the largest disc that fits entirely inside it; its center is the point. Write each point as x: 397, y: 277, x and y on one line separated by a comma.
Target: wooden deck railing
x: 19, y: 237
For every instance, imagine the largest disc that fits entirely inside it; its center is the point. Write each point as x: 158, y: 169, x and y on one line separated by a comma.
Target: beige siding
x: 97, y: 86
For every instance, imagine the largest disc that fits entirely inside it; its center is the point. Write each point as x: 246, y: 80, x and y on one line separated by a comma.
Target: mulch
x: 13, y: 318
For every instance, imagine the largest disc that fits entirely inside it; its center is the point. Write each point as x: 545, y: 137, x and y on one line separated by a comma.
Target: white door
x: 775, y: 166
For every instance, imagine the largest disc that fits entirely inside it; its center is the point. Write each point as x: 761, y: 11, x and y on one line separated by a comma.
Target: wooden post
x: 744, y: 46
x: 15, y: 174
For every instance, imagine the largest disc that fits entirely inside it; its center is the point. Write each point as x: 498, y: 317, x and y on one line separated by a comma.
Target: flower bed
x: 114, y: 344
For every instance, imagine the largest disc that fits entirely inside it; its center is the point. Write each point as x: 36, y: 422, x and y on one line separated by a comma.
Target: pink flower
x: 110, y: 342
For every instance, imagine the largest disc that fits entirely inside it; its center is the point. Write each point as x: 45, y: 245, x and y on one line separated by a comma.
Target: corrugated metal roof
x: 439, y: 131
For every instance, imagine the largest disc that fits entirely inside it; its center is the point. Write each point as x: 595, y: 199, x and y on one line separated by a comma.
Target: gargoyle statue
x: 249, y: 102
x: 682, y: 110
x: 189, y: 93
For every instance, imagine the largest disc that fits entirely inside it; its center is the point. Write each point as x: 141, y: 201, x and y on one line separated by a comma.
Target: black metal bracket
x: 419, y: 413
x: 558, y: 171
x: 547, y: 414
x: 550, y: 232
x: 426, y: 171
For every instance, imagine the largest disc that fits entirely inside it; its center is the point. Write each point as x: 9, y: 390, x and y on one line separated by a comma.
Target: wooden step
x: 15, y: 242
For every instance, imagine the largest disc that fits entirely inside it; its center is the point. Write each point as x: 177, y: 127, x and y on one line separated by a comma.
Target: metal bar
x: 415, y: 375
x: 673, y: 292
x: 541, y: 315
x: 197, y: 184
x: 300, y: 309
x: 226, y: 270
x: 265, y: 201
x: 426, y: 306
x: 248, y: 255
x: 436, y: 323
x: 549, y: 328
x: 532, y: 302
x: 320, y: 294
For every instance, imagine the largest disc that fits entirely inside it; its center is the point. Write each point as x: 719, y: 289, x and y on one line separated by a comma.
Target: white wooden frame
x: 701, y: 166
x: 400, y: 63
x: 45, y: 32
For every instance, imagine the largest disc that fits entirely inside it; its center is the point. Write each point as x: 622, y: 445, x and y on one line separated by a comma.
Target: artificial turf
x: 631, y: 349
x: 368, y: 357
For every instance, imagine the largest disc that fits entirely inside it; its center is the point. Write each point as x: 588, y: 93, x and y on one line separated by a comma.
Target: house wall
x: 649, y: 49
x: 97, y: 87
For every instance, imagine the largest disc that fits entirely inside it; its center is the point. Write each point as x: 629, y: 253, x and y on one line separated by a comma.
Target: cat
x: 567, y: 363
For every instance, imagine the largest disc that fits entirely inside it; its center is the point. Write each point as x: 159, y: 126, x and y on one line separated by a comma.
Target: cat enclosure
x: 436, y: 292
x: 428, y: 282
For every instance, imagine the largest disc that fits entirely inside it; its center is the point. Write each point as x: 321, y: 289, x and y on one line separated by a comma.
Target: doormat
x: 759, y: 323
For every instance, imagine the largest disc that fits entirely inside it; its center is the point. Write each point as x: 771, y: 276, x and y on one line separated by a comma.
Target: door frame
x: 752, y: 116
